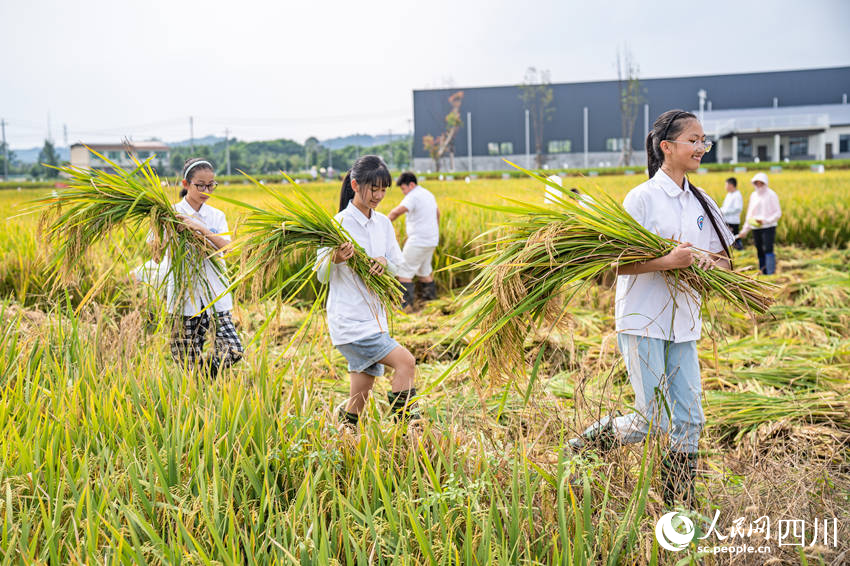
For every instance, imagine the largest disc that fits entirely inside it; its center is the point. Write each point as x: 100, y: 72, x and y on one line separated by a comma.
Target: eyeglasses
x: 696, y: 144
x: 206, y: 188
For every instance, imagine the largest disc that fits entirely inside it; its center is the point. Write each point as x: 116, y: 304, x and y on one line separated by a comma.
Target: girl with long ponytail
x: 357, y: 320
x: 658, y: 327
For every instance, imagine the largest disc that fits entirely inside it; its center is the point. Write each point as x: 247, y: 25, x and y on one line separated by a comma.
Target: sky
x: 109, y: 70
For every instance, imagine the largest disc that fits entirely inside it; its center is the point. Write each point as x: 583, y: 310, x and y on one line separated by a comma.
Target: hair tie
x: 189, y: 168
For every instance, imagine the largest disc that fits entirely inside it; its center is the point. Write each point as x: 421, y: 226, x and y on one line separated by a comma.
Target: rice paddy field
x: 111, y: 454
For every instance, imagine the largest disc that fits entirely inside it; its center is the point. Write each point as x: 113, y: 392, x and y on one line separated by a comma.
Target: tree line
x: 254, y: 158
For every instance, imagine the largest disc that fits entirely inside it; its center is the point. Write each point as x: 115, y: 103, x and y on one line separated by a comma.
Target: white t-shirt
x: 733, y: 205
x: 204, y: 291
x: 354, y: 312
x: 423, y: 228
x: 645, y: 304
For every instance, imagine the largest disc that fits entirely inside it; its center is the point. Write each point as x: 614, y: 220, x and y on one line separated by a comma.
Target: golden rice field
x: 110, y: 454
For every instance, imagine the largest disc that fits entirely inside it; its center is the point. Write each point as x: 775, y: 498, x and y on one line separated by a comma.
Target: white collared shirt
x: 354, y: 312
x: 733, y: 205
x: 203, y: 293
x: 423, y: 229
x: 645, y: 304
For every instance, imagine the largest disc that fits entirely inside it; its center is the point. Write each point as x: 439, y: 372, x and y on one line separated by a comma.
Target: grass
x: 109, y: 454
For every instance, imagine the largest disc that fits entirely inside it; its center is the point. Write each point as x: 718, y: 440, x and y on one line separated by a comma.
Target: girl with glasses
x: 198, y: 304
x: 658, y: 326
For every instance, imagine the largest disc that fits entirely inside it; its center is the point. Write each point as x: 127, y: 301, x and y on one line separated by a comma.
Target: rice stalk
x: 298, y: 228
x: 96, y: 202
x: 544, y: 256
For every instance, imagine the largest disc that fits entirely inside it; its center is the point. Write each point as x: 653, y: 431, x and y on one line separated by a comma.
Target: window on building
x: 493, y: 148
x: 798, y: 146
x: 614, y: 144
x: 844, y: 143
x: 113, y: 155
x: 560, y: 146
x: 745, y: 150
x: 506, y: 148
x: 142, y: 155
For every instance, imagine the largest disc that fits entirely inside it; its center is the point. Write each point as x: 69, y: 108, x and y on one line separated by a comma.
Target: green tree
x: 4, y: 166
x: 47, y: 159
x: 536, y: 93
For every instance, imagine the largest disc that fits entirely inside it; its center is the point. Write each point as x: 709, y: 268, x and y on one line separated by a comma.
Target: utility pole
x: 49, y: 129
x: 585, y: 136
x: 527, y: 140
x: 5, y: 151
x: 227, y: 148
x: 192, y: 133
x: 410, y: 134
x: 65, y: 134
x: 469, y: 138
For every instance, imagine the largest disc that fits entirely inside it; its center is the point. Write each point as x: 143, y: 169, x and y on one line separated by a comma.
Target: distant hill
x: 362, y: 140
x: 207, y: 140
x: 30, y: 156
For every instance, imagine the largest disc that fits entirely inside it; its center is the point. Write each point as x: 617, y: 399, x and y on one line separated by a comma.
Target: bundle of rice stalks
x: 544, y: 256
x: 97, y: 201
x: 298, y: 227
x: 736, y: 413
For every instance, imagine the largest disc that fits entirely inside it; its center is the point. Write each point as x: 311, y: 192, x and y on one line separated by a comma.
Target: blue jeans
x: 666, y: 379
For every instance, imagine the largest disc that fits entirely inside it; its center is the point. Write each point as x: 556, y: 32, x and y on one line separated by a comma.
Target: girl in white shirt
x: 190, y: 328
x: 658, y: 327
x: 357, y: 320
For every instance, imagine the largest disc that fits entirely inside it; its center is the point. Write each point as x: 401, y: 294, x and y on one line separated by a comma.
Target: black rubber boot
x: 400, y: 405
x: 407, y: 298
x: 678, y: 472
x: 600, y: 437
x: 349, y: 420
x: 429, y: 291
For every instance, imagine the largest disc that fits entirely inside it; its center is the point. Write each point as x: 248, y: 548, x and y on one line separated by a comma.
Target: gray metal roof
x: 817, y: 117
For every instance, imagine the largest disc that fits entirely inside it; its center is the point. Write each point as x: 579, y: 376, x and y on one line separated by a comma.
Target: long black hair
x: 368, y: 171
x: 667, y: 127
x: 189, y: 170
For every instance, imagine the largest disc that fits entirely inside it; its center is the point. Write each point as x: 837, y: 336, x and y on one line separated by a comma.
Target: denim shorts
x: 363, y: 355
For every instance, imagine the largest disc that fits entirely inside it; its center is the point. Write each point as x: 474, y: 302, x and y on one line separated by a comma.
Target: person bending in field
x: 357, y: 320
x: 658, y: 327
x: 423, y: 235
x: 763, y: 215
x: 191, y: 325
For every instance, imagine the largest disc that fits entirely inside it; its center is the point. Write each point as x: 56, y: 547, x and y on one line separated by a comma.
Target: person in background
x: 552, y: 194
x: 763, y: 215
x: 733, y: 205
x: 423, y: 235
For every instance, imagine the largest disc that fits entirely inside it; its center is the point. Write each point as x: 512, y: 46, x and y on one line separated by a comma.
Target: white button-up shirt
x: 646, y: 304
x: 204, y: 291
x: 353, y: 311
x: 422, y: 226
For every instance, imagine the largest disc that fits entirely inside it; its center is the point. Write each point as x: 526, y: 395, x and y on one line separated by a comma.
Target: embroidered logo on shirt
x: 700, y: 221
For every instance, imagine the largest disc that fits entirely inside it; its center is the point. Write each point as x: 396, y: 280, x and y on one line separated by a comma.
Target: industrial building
x: 770, y: 116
